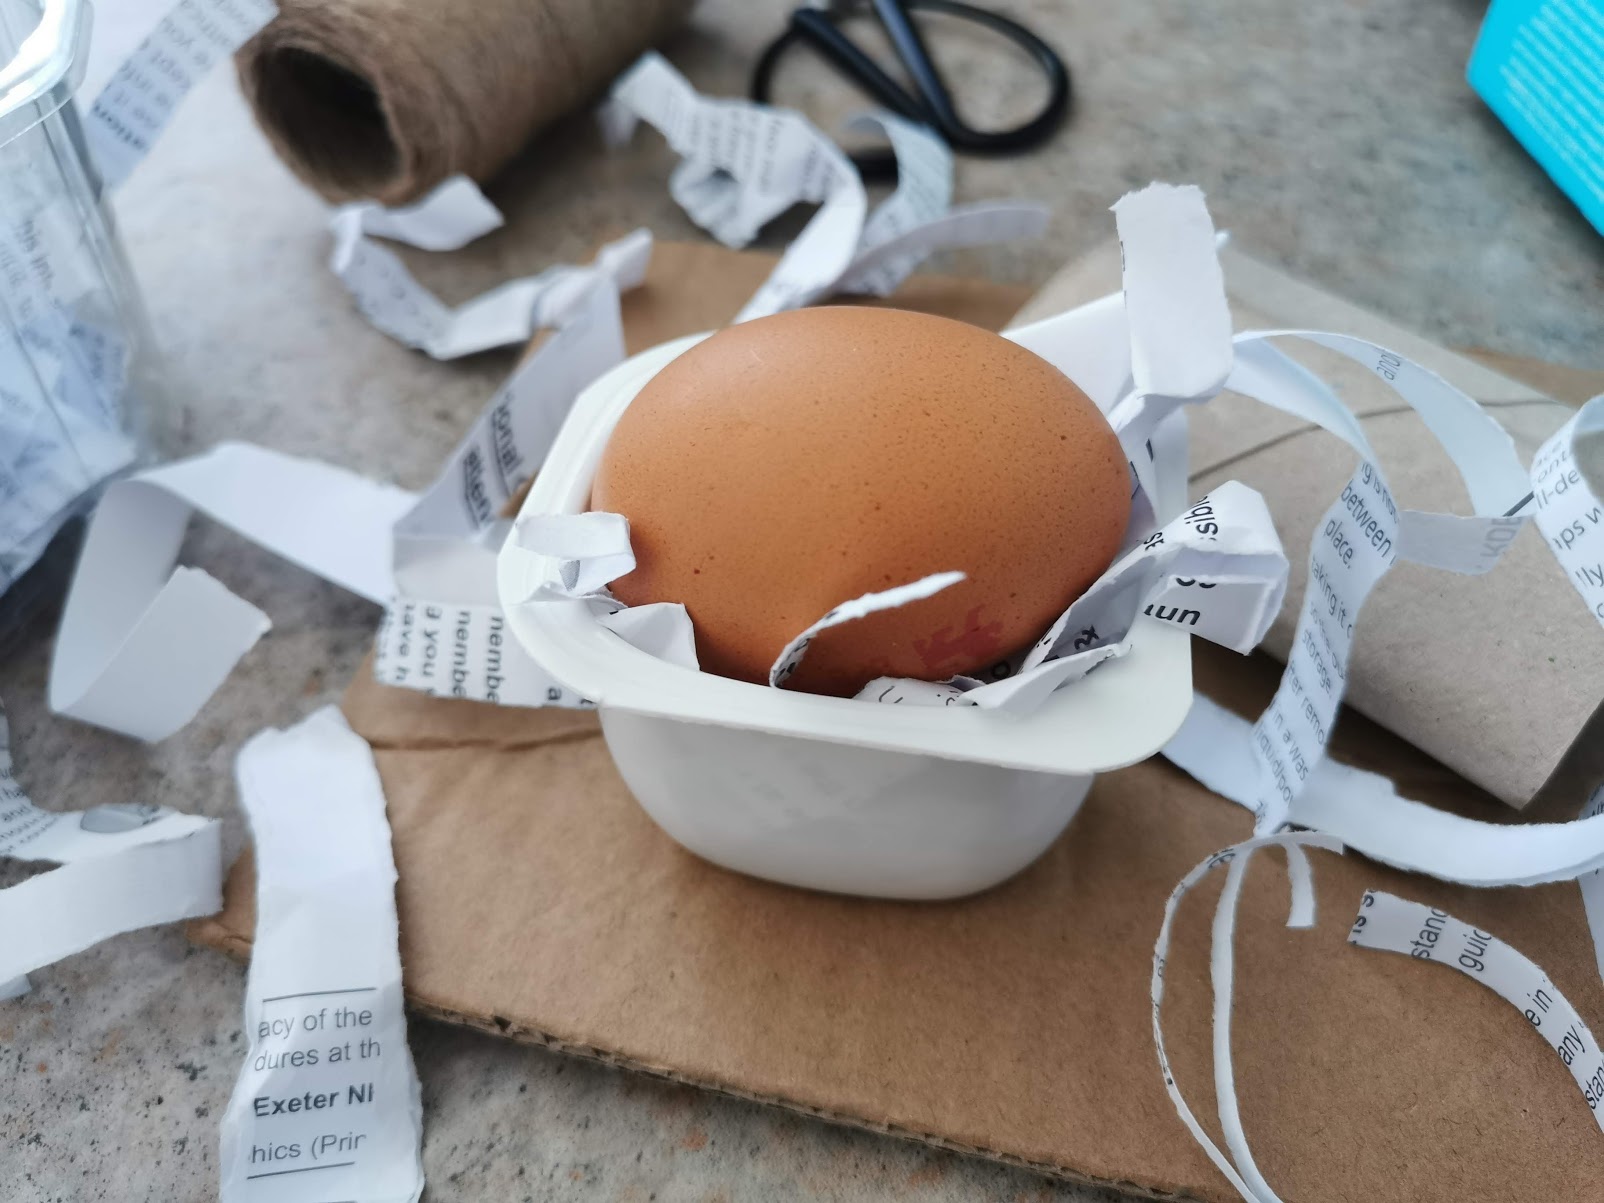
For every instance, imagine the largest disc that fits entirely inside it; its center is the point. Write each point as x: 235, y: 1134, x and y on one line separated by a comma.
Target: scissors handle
x: 931, y: 103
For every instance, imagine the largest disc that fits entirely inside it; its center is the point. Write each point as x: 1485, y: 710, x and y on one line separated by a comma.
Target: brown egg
x: 792, y: 463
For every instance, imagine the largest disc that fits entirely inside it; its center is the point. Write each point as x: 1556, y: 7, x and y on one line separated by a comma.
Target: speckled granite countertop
x: 1337, y: 140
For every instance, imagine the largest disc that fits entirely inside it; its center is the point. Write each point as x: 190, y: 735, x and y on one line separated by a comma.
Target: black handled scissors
x: 930, y: 103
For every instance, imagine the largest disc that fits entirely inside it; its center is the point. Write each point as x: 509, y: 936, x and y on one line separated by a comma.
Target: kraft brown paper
x: 1498, y: 676
x: 538, y: 902
x: 386, y: 98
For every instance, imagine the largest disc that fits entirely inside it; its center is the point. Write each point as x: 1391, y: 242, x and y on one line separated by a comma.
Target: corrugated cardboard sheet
x: 537, y: 901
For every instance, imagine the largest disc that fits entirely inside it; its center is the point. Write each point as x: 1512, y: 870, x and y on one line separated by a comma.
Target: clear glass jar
x: 74, y: 344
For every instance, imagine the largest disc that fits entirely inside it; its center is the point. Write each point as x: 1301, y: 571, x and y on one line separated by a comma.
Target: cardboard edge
x: 214, y: 933
x: 506, y: 1029
x: 444, y: 744
x: 211, y: 932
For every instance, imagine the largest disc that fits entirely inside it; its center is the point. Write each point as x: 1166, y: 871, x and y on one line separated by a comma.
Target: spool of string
x: 383, y: 99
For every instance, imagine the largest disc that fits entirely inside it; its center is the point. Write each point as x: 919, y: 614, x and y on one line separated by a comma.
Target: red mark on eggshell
x: 974, y: 643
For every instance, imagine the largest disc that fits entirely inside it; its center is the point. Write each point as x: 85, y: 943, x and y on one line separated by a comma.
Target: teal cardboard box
x: 1539, y: 64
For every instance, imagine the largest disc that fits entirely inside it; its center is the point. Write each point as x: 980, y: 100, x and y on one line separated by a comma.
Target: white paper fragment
x: 880, y: 267
x: 662, y: 629
x: 923, y: 193
x: 918, y: 219
x: 460, y: 650
x: 142, y: 646
x: 1218, y: 570
x: 451, y: 216
x: 1180, y: 325
x: 592, y: 535
x: 894, y: 691
x: 122, y: 867
x: 1392, y: 924
x: 791, y: 656
x: 28, y: 833
x: 746, y: 163
x: 1020, y: 692
x: 136, y: 104
x: 594, y: 547
x: 327, y: 1105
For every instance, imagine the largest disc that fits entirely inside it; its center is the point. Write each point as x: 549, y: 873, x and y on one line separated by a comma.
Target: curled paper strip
x: 918, y: 218
x: 1363, y: 532
x: 1384, y: 922
x: 1176, y: 322
x: 328, y: 1086
x: 445, y: 545
x: 1392, y: 924
x: 141, y: 96
x: 129, y: 609
x: 452, y: 216
x: 1592, y: 886
x: 746, y: 163
x: 791, y: 656
x: 1568, y: 492
x: 1248, y: 1182
x: 142, y: 645
x: 461, y: 650
x: 923, y: 193
x: 445, y: 633
x: 1365, y: 811
x: 122, y: 867
x: 1219, y: 565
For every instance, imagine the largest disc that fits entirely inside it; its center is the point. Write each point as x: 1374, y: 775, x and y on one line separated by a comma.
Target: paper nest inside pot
x: 1216, y: 569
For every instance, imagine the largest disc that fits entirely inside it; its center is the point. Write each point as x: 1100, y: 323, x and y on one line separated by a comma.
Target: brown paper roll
x: 383, y: 99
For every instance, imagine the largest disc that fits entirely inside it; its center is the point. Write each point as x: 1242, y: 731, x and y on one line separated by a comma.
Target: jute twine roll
x: 383, y: 99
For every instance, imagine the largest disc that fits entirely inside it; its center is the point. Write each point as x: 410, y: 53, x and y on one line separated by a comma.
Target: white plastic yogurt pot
x: 891, y: 801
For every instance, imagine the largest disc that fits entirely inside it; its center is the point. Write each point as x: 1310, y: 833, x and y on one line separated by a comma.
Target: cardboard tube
x: 383, y: 99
